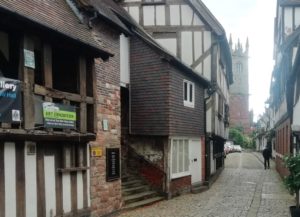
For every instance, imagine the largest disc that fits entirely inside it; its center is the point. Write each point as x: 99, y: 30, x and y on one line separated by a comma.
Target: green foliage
x: 292, y: 181
x: 236, y: 135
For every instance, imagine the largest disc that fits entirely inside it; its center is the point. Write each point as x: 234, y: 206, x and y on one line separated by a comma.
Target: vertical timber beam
x: 47, y: 63
x: 82, y: 83
x: 95, y: 122
x: 28, y: 75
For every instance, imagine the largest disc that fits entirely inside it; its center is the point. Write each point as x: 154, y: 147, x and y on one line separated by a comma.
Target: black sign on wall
x: 10, y: 100
x: 112, y: 164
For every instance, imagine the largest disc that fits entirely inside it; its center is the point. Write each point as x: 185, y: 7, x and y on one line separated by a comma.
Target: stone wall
x: 106, y: 197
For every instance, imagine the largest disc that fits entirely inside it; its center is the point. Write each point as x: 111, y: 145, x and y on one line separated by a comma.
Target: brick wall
x: 239, y: 114
x: 180, y: 185
x: 106, y: 196
x: 281, y: 169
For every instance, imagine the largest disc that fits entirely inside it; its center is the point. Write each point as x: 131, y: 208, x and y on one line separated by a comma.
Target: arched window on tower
x: 239, y: 68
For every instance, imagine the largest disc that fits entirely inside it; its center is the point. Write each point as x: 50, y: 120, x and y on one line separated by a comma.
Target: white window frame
x: 189, y: 102
x: 175, y: 175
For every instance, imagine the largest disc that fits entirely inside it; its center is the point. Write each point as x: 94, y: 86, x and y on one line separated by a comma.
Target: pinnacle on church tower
x: 247, y: 46
x: 230, y: 42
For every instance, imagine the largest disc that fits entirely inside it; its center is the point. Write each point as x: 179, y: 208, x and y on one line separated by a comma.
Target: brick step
x: 135, y: 190
x: 143, y: 203
x: 139, y: 197
x: 132, y: 183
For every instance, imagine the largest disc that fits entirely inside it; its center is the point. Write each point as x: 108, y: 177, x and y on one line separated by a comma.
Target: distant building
x: 239, y: 90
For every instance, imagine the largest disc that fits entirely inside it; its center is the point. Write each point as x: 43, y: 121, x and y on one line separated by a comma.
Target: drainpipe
x: 210, y: 91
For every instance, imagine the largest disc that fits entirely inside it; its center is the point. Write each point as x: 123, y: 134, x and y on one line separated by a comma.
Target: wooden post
x: 95, y: 119
x: 47, y: 63
x: 82, y: 80
x: 28, y: 75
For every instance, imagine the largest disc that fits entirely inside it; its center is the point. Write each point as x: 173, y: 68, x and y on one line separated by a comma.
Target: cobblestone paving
x: 244, y: 189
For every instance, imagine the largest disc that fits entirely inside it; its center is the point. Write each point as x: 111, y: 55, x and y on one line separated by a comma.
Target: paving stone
x: 244, y: 189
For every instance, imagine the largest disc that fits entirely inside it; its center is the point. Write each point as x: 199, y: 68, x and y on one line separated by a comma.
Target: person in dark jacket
x: 267, y: 155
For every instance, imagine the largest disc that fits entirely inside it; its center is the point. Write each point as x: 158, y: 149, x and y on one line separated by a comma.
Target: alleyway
x: 244, y: 189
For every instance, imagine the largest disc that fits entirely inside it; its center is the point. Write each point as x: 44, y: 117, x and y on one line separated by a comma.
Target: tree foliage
x: 292, y: 181
x: 236, y: 135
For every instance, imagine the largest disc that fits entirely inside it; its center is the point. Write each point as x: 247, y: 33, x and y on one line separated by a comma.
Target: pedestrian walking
x: 267, y: 155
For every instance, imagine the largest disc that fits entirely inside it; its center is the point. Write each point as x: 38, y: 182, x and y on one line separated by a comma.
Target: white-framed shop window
x: 179, y: 158
x: 188, y: 94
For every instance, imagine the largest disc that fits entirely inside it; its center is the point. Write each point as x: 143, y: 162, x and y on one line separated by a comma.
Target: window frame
x: 189, y: 102
x: 185, y: 172
x: 153, y: 2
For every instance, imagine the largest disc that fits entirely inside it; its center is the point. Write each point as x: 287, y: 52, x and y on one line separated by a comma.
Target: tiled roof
x: 104, y: 9
x: 55, y: 15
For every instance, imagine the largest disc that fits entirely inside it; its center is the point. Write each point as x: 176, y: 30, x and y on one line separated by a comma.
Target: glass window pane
x: 174, y: 157
x: 180, y: 156
x: 185, y: 91
x: 191, y: 92
x: 186, y: 155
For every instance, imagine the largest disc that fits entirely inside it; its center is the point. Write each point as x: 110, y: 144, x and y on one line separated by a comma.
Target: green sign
x: 59, y: 116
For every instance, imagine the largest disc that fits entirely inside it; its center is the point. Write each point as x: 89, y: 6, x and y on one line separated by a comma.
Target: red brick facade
x: 282, y: 145
x: 180, y: 185
x: 106, y: 196
x: 239, y: 114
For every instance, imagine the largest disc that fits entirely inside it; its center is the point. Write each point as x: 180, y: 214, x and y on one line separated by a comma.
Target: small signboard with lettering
x: 29, y: 60
x: 59, y: 116
x: 96, y: 151
x: 112, y: 164
x: 10, y: 100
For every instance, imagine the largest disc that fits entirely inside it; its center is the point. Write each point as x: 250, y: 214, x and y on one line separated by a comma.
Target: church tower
x: 239, y: 90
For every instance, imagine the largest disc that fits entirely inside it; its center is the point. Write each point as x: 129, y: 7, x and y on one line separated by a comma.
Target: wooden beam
x: 83, y: 109
x: 41, y: 203
x: 20, y: 179
x: 2, y: 181
x: 19, y: 134
x: 28, y: 75
x: 52, y: 93
x: 58, y: 183
x: 95, y: 122
x: 47, y: 63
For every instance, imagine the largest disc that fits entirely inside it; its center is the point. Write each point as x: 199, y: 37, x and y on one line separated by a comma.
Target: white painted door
x: 195, y: 160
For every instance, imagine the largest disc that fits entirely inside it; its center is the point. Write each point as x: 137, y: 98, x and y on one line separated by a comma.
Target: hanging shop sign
x: 10, y: 100
x: 112, y: 164
x: 59, y: 116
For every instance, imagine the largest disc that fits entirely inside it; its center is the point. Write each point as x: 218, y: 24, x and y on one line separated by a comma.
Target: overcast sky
x: 253, y: 19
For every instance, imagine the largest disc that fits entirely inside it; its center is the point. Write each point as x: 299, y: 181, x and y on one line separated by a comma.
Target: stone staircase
x: 137, y: 193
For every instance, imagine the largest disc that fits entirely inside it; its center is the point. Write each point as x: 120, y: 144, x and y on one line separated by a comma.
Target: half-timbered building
x: 60, y: 110
x: 284, y: 87
x: 191, y: 33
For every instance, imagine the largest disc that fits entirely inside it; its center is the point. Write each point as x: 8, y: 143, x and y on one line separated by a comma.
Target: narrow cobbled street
x: 244, y: 189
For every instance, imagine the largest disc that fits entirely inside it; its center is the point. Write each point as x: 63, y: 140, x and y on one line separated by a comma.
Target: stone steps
x: 136, y: 192
x: 146, y: 202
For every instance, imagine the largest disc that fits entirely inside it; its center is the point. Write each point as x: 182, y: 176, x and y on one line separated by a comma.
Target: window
x: 180, y: 158
x: 239, y: 67
x: 221, y: 105
x: 154, y: 1
x: 188, y: 94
